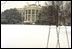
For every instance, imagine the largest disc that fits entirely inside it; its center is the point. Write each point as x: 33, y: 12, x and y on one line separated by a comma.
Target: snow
x: 33, y: 36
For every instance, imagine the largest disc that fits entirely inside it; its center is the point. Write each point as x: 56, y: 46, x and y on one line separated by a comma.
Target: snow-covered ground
x: 33, y: 36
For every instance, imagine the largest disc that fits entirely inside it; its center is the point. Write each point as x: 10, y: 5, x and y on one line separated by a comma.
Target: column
x: 31, y: 15
x: 35, y: 16
x: 25, y: 16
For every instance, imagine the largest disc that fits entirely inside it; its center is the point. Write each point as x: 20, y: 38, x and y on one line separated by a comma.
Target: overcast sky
x: 16, y: 4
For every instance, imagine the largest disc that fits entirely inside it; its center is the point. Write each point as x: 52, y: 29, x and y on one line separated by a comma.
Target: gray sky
x: 17, y: 4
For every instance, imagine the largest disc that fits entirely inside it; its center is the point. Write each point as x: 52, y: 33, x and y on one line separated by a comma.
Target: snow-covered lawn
x: 32, y: 36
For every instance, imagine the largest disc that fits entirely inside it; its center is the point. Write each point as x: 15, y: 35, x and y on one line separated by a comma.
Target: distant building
x: 30, y: 13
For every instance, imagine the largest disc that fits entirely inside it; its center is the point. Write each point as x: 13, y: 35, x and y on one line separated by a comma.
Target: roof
x: 32, y: 5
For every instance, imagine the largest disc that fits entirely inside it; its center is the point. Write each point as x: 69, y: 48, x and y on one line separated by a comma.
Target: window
x: 26, y: 12
x: 28, y: 17
x: 29, y: 11
x: 33, y: 11
x: 36, y: 11
x: 32, y: 17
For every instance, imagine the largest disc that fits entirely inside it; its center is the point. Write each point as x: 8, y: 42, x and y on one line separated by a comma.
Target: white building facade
x: 30, y: 13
